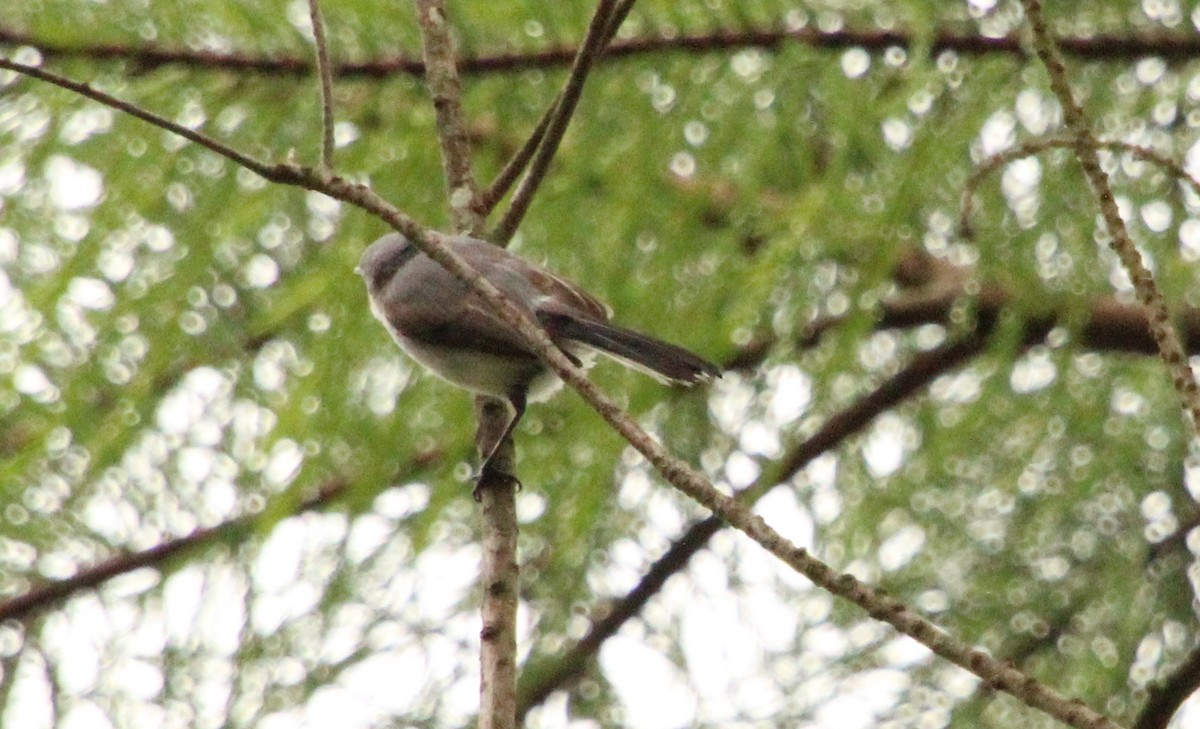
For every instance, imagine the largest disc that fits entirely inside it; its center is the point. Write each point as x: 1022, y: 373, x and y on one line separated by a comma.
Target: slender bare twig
x: 516, y: 165
x: 1099, y: 47
x: 47, y: 595
x: 619, y: 14
x: 557, y: 127
x: 1170, y: 348
x: 1104, y: 323
x: 84, y: 89
x: 1037, y: 146
x: 923, y: 369
x: 687, y: 479
x: 1164, y: 698
x: 441, y: 75
x: 318, y: 29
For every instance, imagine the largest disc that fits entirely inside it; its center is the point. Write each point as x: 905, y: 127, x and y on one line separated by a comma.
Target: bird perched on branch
x: 450, y: 330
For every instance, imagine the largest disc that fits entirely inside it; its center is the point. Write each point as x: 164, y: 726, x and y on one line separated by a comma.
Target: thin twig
x: 620, y: 13
x: 563, y: 111
x: 45, y: 596
x: 1169, y: 346
x: 1099, y: 47
x: 318, y: 28
x: 83, y: 89
x: 690, y: 481
x: 516, y: 165
x: 441, y: 75
x: 923, y: 369
x: 1037, y: 146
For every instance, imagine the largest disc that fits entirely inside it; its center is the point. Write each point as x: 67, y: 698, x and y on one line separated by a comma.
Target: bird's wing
x: 539, y: 289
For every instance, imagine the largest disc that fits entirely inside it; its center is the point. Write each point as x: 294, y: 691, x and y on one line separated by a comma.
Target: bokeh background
x: 970, y: 419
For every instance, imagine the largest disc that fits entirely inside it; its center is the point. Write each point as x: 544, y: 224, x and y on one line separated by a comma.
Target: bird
x: 443, y: 325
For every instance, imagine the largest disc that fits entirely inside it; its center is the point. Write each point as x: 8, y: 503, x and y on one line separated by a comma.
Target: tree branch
x: 516, y: 165
x: 1036, y: 146
x: 1104, y: 323
x: 1100, y: 47
x: 45, y: 596
x: 441, y: 75
x: 922, y: 370
x: 568, y: 99
x: 689, y: 480
x: 318, y: 29
x: 1164, y: 698
x: 499, y: 574
x: 1169, y: 346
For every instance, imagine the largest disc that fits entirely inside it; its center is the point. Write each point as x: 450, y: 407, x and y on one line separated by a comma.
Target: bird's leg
x: 517, y: 400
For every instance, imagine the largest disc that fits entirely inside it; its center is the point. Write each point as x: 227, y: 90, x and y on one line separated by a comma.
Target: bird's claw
x: 487, y: 477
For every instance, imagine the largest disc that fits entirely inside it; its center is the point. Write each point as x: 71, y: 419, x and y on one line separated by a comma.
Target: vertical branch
x: 497, y: 493
x: 498, y: 638
x: 1169, y: 346
x: 441, y: 74
x: 318, y: 29
x: 593, y: 45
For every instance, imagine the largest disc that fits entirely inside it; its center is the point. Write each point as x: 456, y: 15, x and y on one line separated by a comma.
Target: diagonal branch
x: 1037, y: 146
x: 690, y: 481
x: 516, y: 165
x: 1102, y: 323
x: 1169, y: 346
x: 518, y: 162
x: 922, y: 370
x: 267, y: 171
x: 45, y: 596
x: 1164, y: 699
x: 593, y: 44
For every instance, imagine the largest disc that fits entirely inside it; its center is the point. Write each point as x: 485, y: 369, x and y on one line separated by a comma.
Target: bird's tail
x: 656, y: 358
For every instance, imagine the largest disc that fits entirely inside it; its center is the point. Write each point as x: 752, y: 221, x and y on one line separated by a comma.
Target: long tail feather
x: 645, y: 353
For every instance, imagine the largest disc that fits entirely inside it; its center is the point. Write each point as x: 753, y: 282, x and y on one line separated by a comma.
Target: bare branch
x: 318, y: 29
x: 496, y: 491
x: 568, y: 99
x: 515, y: 166
x: 1107, y: 324
x: 498, y: 637
x: 45, y: 596
x: 83, y: 89
x: 1037, y: 146
x: 1099, y: 47
x: 1165, y: 698
x: 1170, y: 348
x: 684, y: 477
x: 922, y: 370
x: 441, y: 75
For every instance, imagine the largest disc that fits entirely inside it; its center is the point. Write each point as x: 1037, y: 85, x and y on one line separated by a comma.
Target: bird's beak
x: 358, y: 270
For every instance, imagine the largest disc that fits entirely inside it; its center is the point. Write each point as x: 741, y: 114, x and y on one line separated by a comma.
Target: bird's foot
x: 489, y: 477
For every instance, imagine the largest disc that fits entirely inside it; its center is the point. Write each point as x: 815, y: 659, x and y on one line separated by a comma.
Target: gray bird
x: 448, y: 329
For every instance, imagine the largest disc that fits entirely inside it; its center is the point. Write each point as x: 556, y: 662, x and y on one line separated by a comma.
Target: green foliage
x: 189, y: 344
